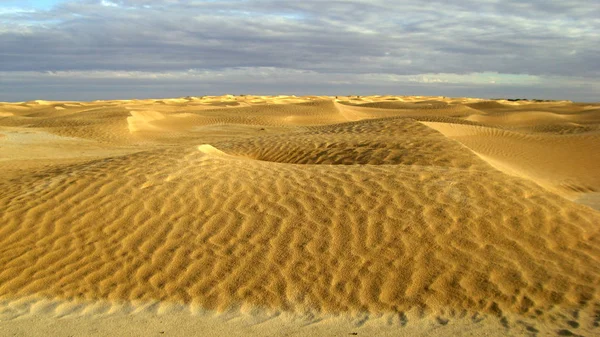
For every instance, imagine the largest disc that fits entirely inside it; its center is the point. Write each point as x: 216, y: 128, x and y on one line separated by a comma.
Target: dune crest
x: 209, y: 149
x: 142, y: 120
x: 566, y: 165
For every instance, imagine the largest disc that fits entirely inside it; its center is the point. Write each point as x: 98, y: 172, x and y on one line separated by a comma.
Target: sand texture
x: 256, y: 215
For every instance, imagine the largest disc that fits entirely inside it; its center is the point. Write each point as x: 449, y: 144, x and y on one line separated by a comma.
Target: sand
x: 258, y: 215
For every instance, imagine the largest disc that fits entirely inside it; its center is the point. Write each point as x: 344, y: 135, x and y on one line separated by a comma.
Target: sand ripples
x: 385, y: 216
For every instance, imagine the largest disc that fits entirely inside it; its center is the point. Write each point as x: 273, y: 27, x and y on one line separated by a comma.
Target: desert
x: 300, y: 216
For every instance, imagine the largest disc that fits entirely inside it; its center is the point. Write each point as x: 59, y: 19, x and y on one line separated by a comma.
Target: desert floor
x: 301, y: 216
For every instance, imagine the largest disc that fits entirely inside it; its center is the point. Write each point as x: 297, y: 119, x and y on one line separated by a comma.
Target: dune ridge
x: 565, y: 164
x: 443, y: 213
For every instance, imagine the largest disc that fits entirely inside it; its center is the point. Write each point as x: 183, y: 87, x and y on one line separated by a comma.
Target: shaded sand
x: 258, y: 215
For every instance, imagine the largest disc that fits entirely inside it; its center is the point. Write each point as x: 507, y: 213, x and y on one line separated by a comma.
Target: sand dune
x: 142, y: 120
x: 259, y: 215
x: 566, y: 164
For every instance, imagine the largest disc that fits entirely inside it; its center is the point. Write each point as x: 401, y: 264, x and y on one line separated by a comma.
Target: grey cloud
x: 546, y: 38
x: 88, y: 86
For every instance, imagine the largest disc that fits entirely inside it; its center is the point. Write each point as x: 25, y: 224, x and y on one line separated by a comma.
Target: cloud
x: 352, y: 39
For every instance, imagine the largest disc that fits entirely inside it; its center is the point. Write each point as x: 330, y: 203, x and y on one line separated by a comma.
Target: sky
x: 118, y: 49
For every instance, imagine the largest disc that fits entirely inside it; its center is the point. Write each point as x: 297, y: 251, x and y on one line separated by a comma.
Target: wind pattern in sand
x: 304, y: 204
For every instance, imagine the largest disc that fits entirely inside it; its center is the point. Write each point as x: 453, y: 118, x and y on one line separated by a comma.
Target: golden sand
x: 315, y: 215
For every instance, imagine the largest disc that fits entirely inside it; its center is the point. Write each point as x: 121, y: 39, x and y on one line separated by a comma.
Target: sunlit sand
x: 272, y: 215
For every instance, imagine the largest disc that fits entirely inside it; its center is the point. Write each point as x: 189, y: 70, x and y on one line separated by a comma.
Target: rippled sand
x: 250, y: 215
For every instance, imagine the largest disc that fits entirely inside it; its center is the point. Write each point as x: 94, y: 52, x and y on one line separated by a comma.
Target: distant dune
x: 262, y: 215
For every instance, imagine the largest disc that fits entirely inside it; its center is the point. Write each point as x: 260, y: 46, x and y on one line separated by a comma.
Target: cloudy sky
x: 103, y: 49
